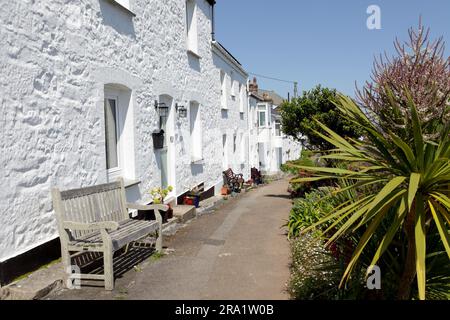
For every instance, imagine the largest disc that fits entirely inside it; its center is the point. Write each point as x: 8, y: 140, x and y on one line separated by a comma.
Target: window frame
x: 196, y: 132
x: 259, y: 111
x: 191, y: 22
x: 116, y: 171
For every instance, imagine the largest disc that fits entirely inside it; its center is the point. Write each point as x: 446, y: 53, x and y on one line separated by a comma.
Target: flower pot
x: 158, y: 139
x: 225, y: 191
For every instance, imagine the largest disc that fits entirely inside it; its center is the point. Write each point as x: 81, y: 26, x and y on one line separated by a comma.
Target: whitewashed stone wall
x: 56, y: 56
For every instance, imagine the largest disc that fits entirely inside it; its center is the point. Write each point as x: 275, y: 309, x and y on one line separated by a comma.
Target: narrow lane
x: 238, y: 252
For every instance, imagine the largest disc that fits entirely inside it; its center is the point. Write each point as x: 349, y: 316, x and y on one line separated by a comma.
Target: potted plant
x: 158, y: 195
x: 195, y: 194
x: 225, y: 190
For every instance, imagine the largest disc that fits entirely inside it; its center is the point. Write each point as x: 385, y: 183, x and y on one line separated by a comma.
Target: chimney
x: 253, y: 86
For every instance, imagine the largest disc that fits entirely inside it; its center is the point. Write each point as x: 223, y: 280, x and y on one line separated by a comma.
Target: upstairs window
x: 191, y: 26
x: 262, y: 112
x: 223, y: 90
x: 277, y: 128
x: 242, y: 98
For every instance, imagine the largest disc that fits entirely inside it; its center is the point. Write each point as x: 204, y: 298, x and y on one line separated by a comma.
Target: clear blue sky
x: 320, y: 41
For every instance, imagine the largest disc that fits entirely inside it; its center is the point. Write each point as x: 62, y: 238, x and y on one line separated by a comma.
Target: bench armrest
x: 161, y: 207
x: 156, y: 207
x: 104, y: 225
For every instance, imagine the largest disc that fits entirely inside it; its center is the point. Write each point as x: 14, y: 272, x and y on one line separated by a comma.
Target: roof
x: 277, y: 99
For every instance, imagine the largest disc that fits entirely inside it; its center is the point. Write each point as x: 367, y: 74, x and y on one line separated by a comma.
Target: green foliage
x: 159, y: 194
x: 307, y: 211
x: 413, y: 178
x: 298, y: 118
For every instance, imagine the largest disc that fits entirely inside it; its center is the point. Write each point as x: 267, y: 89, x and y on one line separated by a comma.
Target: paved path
x: 238, y: 252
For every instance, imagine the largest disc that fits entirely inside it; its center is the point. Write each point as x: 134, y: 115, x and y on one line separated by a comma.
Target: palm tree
x: 411, y: 177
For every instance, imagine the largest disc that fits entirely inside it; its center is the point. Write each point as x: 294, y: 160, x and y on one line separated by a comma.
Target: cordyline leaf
x: 386, y: 191
x: 362, y: 244
x: 414, y: 181
x: 352, y: 220
x: 311, y: 179
x: 348, y: 209
x: 420, y: 236
x: 443, y: 232
x: 328, y: 170
x: 340, y: 146
x: 386, y: 204
x: 335, y: 136
x: 390, y: 234
x: 344, y: 214
x: 442, y: 198
x: 417, y: 131
x: 406, y: 151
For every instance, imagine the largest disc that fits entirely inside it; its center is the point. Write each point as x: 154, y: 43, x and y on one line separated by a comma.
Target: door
x: 224, y: 152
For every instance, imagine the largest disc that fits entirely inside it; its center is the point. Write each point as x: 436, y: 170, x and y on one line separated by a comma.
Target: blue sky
x: 320, y: 41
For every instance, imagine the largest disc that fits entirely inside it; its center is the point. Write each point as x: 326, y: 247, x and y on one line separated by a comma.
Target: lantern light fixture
x: 182, y: 111
x: 161, y: 108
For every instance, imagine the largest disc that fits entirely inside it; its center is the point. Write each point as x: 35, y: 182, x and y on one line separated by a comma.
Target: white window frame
x: 243, y: 148
x: 265, y: 113
x: 192, y: 27
x: 223, y: 90
x: 196, y: 133
x: 275, y: 128
x: 117, y: 171
x: 241, y: 98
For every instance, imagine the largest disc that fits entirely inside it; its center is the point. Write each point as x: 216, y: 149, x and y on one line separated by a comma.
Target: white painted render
x: 268, y: 151
x: 57, y: 58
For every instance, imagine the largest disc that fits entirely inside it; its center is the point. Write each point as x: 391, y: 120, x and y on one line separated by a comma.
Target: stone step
x: 184, y: 213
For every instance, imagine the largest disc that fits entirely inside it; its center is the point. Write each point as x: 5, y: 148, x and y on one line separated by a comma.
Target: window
x: 196, y: 132
x: 224, y: 152
x: 277, y: 128
x: 223, y: 90
x: 234, y: 143
x: 242, y: 98
x: 191, y: 26
x: 119, y: 132
x: 111, y: 134
x: 262, y: 110
x: 243, y: 149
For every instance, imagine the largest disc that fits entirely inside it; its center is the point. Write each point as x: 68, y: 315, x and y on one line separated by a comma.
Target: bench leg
x: 159, y: 240
x: 67, y: 265
x: 109, y: 270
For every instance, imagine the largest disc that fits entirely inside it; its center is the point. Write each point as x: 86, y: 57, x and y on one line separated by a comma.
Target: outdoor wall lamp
x: 182, y: 111
x: 161, y: 108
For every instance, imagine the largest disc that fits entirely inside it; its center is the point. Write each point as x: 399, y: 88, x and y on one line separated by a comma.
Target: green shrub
x: 308, y: 211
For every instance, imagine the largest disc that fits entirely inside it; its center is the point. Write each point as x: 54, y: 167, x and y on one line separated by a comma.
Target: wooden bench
x: 96, y: 219
x: 234, y: 181
x: 256, y: 176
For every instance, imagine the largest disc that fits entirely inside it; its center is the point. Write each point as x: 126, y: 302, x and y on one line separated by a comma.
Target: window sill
x: 127, y: 10
x: 197, y: 161
x: 131, y: 183
x: 193, y: 53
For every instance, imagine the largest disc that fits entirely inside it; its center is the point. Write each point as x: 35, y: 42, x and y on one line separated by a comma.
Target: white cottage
x: 269, y: 146
x: 87, y: 86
